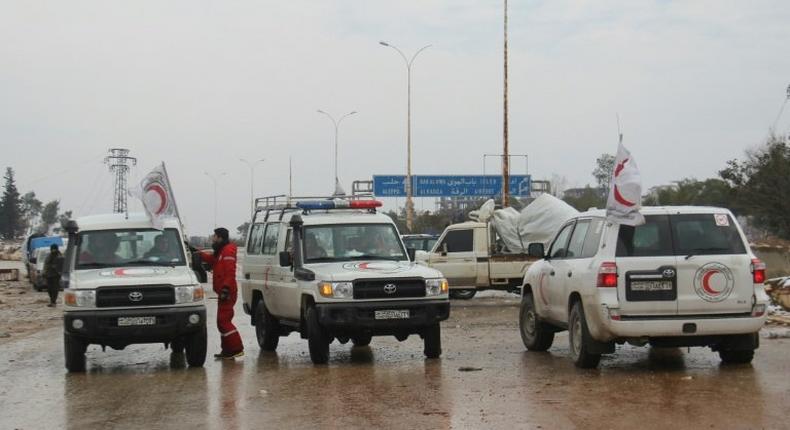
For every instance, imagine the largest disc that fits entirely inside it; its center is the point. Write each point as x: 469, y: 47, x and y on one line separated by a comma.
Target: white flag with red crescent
x: 625, y: 193
x: 157, y: 196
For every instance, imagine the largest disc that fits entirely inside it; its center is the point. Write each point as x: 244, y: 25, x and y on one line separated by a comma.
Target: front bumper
x: 360, y: 316
x: 101, y: 326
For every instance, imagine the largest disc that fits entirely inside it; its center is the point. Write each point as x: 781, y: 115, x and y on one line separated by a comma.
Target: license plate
x: 130, y: 321
x: 651, y: 286
x: 391, y: 315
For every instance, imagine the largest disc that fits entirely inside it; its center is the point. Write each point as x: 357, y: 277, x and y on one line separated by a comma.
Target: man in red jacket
x: 223, y: 263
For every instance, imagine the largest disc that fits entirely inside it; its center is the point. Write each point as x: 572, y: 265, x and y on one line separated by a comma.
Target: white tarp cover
x: 538, y: 222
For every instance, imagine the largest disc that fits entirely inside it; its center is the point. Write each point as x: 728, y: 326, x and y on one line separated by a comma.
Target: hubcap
x: 576, y: 341
x: 529, y: 323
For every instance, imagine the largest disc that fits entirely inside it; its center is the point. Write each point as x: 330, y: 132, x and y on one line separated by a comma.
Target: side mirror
x: 444, y: 249
x: 199, y: 269
x: 412, y: 253
x: 285, y: 259
x: 536, y: 250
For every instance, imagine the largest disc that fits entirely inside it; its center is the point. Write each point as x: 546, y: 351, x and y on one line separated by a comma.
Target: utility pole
x: 215, y: 180
x: 119, y: 162
x: 337, y: 125
x: 505, y: 157
x: 409, y: 194
x: 251, y: 165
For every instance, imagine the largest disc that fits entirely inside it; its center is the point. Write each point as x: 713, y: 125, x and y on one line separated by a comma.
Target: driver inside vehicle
x: 160, y: 250
x: 312, y: 249
x: 376, y: 245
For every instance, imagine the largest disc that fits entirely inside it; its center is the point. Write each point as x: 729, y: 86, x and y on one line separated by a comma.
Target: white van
x: 687, y: 277
x: 335, y: 269
x: 126, y: 282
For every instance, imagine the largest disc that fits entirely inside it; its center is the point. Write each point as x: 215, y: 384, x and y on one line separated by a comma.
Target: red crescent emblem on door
x: 706, y: 283
x: 162, y: 197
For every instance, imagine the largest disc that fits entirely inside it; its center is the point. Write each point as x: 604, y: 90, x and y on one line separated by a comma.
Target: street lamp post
x: 215, y: 179
x: 409, y: 201
x: 337, y: 125
x: 251, y: 165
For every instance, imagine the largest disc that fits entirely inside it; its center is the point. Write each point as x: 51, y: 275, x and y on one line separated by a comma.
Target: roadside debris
x: 469, y: 369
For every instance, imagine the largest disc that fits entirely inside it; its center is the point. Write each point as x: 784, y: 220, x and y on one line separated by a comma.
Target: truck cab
x: 334, y: 269
x: 126, y: 282
x: 472, y: 258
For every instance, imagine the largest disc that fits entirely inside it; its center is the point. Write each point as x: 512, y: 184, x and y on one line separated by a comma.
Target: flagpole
x: 172, y: 194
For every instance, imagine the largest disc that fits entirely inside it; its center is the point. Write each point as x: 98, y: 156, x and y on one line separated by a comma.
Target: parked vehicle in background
x: 32, y: 245
x: 37, y: 273
x: 335, y: 269
x: 420, y: 242
x: 470, y: 255
x: 687, y: 277
x: 121, y: 289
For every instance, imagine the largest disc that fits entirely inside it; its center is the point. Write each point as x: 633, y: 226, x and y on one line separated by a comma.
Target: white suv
x: 687, y: 277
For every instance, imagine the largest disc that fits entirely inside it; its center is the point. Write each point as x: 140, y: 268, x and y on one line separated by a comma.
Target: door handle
x: 551, y: 273
x: 570, y: 274
x: 246, y: 276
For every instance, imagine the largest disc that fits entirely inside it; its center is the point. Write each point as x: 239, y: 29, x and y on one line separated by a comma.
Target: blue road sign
x: 450, y: 185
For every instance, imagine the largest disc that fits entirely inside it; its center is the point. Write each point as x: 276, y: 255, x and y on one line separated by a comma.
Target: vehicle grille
x: 107, y: 297
x: 377, y: 289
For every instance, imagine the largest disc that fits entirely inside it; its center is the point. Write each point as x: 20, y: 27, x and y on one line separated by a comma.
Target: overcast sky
x: 199, y: 84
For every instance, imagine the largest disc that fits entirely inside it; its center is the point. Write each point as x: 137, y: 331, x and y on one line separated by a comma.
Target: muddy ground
x: 485, y: 379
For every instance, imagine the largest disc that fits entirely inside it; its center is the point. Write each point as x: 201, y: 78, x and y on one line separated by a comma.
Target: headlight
x: 338, y: 290
x: 189, y: 294
x: 81, y: 299
x: 435, y: 287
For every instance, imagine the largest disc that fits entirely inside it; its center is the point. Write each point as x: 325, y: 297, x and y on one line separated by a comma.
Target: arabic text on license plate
x: 651, y: 286
x: 129, y: 321
x: 391, y: 315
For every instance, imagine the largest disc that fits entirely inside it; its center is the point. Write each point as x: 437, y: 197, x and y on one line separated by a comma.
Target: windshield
x: 343, y: 242
x: 140, y: 247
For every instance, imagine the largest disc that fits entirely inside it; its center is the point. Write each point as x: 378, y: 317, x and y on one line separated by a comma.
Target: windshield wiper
x: 92, y: 265
x: 148, y: 263
x: 374, y: 257
x: 698, y: 250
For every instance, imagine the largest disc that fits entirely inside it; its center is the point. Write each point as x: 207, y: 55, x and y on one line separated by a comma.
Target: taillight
x: 607, y: 275
x: 758, y: 271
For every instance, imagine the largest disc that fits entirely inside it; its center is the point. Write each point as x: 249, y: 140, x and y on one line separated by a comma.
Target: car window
x: 458, y: 241
x: 706, y: 234
x: 270, y: 238
x: 255, y: 240
x: 131, y: 247
x: 651, y: 239
x: 559, y: 245
x: 593, y: 238
x: 576, y: 244
x: 345, y: 242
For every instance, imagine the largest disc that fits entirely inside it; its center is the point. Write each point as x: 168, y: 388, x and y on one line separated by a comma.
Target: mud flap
x: 595, y: 347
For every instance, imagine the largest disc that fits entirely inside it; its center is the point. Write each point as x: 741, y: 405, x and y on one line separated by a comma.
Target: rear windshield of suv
x: 682, y: 234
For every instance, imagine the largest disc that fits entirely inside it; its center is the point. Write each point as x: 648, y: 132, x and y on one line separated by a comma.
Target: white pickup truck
x: 470, y: 256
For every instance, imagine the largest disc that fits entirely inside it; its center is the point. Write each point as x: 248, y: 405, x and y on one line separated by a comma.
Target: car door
x: 582, y: 248
x: 455, y: 258
x: 551, y: 283
x: 252, y: 264
x: 647, y: 282
x: 714, y: 266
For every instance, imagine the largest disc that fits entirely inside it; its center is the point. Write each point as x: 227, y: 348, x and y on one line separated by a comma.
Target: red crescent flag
x: 625, y: 194
x: 157, y: 196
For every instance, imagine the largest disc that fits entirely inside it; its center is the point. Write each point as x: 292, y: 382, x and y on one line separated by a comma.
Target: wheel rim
x: 575, y: 335
x: 529, y: 324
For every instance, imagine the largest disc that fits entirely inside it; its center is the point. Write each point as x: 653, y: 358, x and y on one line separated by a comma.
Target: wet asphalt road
x: 391, y: 385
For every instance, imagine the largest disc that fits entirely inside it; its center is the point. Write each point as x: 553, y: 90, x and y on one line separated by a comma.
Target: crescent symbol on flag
x: 162, y: 197
x: 620, y: 199
x: 620, y: 167
x: 706, y: 283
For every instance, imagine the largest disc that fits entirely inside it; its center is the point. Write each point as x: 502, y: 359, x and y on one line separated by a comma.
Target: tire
x: 363, y: 340
x: 74, y: 351
x: 267, y: 328
x: 742, y: 356
x: 195, y: 346
x: 317, y: 338
x: 579, y: 338
x: 536, y: 335
x: 462, y: 294
x: 432, y: 339
x: 177, y: 354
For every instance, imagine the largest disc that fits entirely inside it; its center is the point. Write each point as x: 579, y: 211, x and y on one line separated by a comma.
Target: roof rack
x: 284, y: 203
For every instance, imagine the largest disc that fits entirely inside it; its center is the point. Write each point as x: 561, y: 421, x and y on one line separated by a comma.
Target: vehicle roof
x: 467, y: 224
x: 660, y: 210
x: 118, y: 221
x: 334, y: 216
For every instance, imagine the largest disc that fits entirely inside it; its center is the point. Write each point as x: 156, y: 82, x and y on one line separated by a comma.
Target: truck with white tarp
x: 490, y: 252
